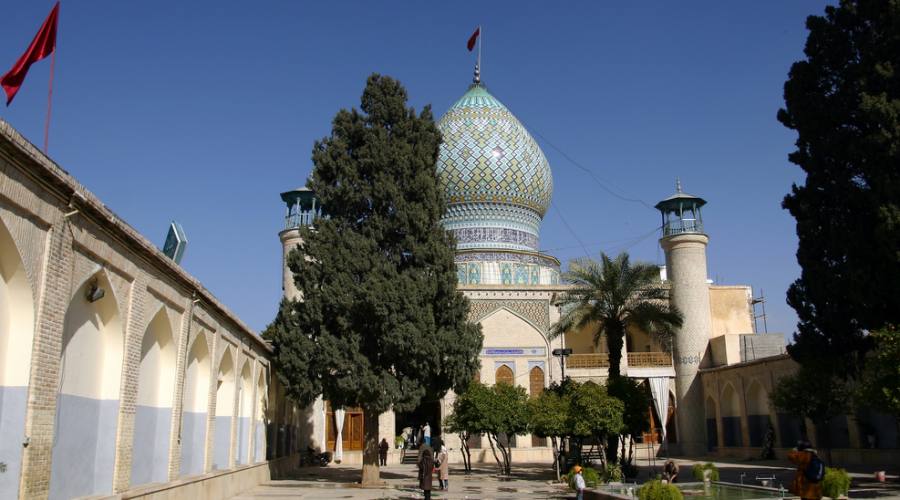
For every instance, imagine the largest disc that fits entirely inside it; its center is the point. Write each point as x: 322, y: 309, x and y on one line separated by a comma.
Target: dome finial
x: 677, y: 185
x: 476, y: 79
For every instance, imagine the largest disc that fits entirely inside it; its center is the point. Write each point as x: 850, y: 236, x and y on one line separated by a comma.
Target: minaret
x: 302, y: 210
x: 684, y: 243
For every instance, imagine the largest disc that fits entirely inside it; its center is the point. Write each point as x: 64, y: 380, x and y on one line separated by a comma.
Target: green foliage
x: 811, y: 394
x: 613, y: 295
x: 381, y: 324
x: 844, y: 102
x: 657, y: 490
x: 636, y: 399
x: 500, y: 411
x: 835, y: 483
x: 612, y: 473
x: 880, y: 387
x: 591, y: 478
x: 548, y: 414
x: 593, y: 412
x: 699, y: 469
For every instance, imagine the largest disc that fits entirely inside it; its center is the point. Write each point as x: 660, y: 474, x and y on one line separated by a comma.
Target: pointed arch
x: 262, y: 408
x: 245, y: 412
x: 535, y: 381
x: 153, y: 413
x: 16, y: 340
x: 88, y: 402
x: 225, y: 393
x: 504, y: 375
x: 758, y: 420
x: 731, y: 416
x: 195, y: 402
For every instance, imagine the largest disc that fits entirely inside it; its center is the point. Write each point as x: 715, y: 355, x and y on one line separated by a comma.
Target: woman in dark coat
x: 426, y: 471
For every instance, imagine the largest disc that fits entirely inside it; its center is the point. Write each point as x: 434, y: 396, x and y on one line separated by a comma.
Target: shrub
x: 657, y: 490
x: 612, y: 473
x: 835, y: 483
x: 699, y: 468
x: 591, y: 478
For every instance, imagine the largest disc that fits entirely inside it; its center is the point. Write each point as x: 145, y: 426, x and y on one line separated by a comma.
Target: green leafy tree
x: 880, y: 385
x: 506, y: 416
x: 613, y: 295
x: 381, y: 324
x: 593, y: 413
x: 844, y: 102
x: 548, y: 418
x: 818, y: 396
x: 635, y: 417
x: 468, y: 417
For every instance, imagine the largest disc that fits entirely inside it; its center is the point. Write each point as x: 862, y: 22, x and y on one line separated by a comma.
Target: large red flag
x: 43, y: 45
x: 471, y: 44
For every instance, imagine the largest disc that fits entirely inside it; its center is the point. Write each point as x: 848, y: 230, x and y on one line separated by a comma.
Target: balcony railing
x: 587, y: 361
x: 303, y: 218
x: 649, y: 359
x: 682, y: 226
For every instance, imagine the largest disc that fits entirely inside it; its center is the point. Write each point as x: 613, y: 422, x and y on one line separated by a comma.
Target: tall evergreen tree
x: 381, y: 324
x: 844, y: 102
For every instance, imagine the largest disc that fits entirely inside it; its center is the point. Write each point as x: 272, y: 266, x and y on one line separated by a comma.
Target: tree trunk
x: 505, y: 453
x: 467, y: 455
x: 371, y: 474
x: 491, y: 439
x: 615, y: 340
x: 555, y: 455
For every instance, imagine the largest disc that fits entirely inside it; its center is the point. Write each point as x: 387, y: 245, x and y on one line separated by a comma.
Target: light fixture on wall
x: 94, y: 292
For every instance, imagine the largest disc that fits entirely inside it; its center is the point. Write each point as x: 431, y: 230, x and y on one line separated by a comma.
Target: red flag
x: 43, y: 45
x: 473, y: 38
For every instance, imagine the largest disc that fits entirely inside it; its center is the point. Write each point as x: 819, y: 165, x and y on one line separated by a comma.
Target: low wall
x: 215, y: 485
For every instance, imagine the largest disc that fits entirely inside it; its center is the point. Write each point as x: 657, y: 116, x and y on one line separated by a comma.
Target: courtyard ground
x: 528, y: 481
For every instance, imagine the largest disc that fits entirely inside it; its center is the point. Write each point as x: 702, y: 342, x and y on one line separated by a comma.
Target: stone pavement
x: 528, y: 481
x: 337, y: 482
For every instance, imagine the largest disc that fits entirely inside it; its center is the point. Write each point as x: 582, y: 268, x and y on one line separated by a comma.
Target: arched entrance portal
x: 409, y: 424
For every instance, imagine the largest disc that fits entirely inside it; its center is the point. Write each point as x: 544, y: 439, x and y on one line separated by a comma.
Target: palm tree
x: 613, y: 295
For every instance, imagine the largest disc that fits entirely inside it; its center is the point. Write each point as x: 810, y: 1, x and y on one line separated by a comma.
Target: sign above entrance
x: 514, y: 351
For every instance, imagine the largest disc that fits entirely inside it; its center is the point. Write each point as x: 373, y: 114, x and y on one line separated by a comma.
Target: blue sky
x: 204, y: 111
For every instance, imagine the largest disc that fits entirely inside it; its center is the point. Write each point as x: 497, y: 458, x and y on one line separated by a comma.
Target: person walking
x: 579, y: 483
x: 807, y: 483
x: 444, y: 468
x: 383, y: 448
x: 426, y: 434
x: 426, y: 470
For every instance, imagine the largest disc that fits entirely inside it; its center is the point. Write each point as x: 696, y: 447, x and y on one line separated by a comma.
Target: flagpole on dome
x: 480, y: 38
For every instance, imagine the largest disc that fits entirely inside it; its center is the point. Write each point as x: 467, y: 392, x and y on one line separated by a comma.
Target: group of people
x: 427, y: 463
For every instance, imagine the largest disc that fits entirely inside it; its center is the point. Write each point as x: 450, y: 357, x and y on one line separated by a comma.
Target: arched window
x: 536, y: 381
x: 504, y: 375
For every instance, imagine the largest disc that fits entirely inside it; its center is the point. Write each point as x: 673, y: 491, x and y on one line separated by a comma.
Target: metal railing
x: 304, y: 218
x: 587, y: 361
x: 682, y: 226
x: 649, y: 359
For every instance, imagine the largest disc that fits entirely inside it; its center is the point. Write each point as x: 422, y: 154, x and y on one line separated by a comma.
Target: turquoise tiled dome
x: 488, y: 157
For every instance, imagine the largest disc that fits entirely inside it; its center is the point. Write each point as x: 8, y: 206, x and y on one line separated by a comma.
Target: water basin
x: 696, y: 491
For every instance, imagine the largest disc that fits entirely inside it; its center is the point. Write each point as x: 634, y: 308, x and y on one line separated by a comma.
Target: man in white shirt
x: 426, y: 434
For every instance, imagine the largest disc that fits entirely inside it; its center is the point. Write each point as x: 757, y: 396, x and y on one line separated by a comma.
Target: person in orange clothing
x: 802, y: 486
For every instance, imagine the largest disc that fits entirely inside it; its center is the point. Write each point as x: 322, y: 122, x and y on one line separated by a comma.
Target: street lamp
x: 562, y: 353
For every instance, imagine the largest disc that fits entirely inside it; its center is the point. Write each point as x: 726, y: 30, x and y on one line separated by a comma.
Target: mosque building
x: 498, y: 186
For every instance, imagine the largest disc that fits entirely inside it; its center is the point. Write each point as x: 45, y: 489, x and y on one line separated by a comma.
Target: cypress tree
x: 844, y: 102
x: 381, y: 324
